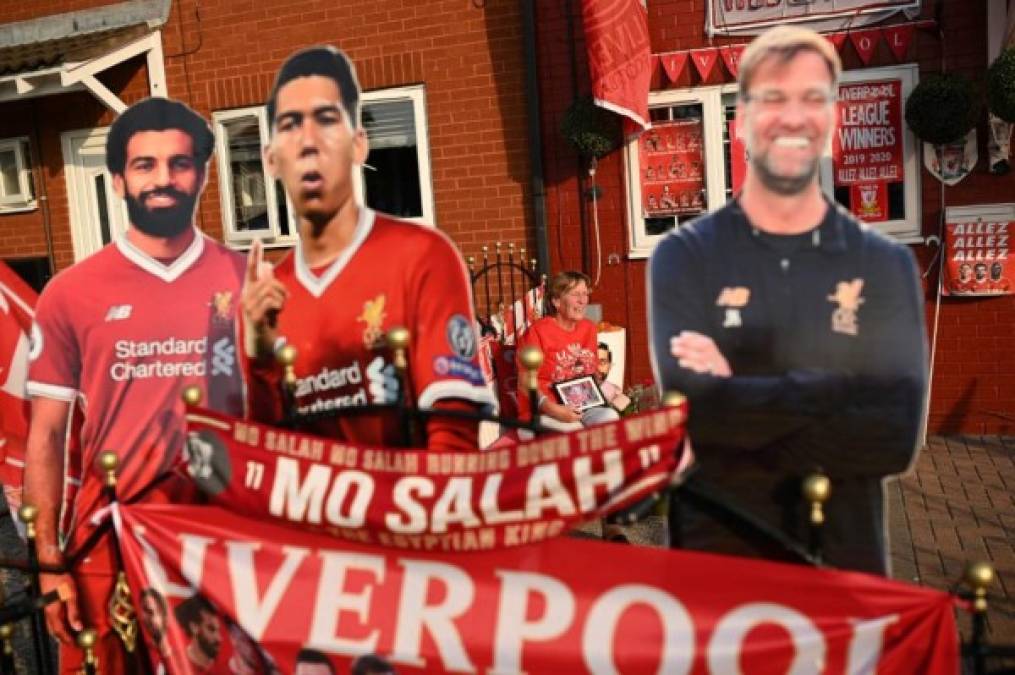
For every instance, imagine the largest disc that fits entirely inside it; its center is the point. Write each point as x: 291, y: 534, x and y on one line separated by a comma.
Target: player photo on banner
x: 978, y: 261
x: 867, y: 150
x: 672, y: 169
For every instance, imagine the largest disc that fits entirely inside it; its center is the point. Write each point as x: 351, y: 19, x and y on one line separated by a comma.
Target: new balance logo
x: 118, y: 313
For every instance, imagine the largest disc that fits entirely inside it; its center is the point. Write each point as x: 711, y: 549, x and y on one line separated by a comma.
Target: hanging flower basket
x: 942, y: 108
x: 589, y: 129
x: 1001, y: 86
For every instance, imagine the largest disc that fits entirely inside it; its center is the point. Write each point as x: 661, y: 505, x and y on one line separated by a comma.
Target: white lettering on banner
x: 253, y: 613
x: 414, y: 613
x: 354, y: 598
x: 867, y: 644
x: 312, y: 500
x: 544, y: 490
x: 513, y: 628
x: 333, y: 600
x: 611, y: 478
x: 724, y: 646
x: 605, y: 613
x: 415, y: 520
x: 455, y: 506
x: 294, y: 500
x: 346, y: 481
x: 156, y: 573
x: 488, y: 502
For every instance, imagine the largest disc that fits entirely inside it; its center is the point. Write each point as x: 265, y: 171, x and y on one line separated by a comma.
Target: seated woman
x: 568, y: 342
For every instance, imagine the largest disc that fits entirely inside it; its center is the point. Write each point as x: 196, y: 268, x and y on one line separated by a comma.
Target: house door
x: 97, y: 215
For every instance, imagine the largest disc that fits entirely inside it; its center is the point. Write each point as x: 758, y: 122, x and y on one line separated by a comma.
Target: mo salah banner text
x: 433, y: 500
x: 264, y: 592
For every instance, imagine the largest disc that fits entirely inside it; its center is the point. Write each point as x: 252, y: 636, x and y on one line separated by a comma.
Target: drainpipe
x: 40, y: 187
x: 535, y: 136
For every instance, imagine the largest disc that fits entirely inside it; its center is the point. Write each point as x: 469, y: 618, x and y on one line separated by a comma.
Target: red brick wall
x: 222, y: 54
x: 974, y: 376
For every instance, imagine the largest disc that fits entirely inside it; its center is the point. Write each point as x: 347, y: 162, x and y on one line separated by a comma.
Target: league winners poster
x: 867, y: 147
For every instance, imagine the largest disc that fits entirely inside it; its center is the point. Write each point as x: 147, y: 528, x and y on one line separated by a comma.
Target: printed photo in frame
x: 581, y: 393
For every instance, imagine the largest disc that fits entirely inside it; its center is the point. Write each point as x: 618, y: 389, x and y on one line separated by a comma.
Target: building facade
x: 447, y: 110
x: 973, y: 384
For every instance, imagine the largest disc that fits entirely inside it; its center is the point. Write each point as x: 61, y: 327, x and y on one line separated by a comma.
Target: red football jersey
x: 566, y: 354
x: 394, y: 273
x: 122, y: 334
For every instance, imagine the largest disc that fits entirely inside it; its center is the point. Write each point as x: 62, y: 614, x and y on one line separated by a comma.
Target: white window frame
x: 417, y: 95
x: 640, y: 242
x: 273, y: 236
x: 905, y: 230
x: 23, y: 200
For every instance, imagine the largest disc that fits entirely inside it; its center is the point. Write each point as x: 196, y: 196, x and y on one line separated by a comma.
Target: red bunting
x: 865, y: 42
x: 837, y: 39
x: 704, y: 60
x: 898, y: 38
x: 731, y: 57
x: 673, y: 64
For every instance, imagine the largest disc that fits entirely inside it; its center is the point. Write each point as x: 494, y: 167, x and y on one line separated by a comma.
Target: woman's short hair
x: 561, y: 283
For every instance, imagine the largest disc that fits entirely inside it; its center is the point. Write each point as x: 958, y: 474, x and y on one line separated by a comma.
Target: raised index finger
x: 254, y: 259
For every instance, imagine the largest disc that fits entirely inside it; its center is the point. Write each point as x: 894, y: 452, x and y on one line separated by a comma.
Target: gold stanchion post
x: 531, y: 359
x: 816, y: 489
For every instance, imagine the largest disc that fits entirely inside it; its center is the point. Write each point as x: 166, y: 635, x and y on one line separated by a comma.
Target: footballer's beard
x: 782, y: 183
x: 164, y: 223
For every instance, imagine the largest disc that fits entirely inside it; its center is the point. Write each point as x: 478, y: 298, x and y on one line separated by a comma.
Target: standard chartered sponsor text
x: 122, y: 370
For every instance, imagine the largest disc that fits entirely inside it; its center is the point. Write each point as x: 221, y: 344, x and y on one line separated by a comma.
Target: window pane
x: 9, y: 173
x: 249, y: 204
x: 391, y: 179
x: 672, y: 163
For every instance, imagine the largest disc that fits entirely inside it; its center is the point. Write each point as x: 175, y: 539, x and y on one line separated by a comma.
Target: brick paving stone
x: 959, y: 507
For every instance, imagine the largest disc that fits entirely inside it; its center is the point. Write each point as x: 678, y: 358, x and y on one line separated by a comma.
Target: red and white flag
x: 17, y: 311
x: 237, y: 594
x: 620, y: 57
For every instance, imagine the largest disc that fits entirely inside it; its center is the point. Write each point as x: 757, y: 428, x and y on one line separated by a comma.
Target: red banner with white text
x: 867, y: 150
x: 978, y: 260
x: 620, y: 57
x: 226, y: 592
x: 439, y: 501
x: 17, y: 303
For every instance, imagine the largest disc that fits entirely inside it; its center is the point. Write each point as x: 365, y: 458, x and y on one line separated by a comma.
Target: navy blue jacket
x: 827, y: 345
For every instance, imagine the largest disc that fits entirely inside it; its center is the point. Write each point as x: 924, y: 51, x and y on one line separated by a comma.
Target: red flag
x: 562, y: 605
x: 620, y: 56
x: 17, y: 303
x: 899, y: 38
x: 17, y: 312
x: 865, y: 42
x: 704, y: 60
x: 673, y: 64
x: 837, y: 39
x: 731, y: 57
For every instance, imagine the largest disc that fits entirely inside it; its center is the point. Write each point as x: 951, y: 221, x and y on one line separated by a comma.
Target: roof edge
x: 154, y: 13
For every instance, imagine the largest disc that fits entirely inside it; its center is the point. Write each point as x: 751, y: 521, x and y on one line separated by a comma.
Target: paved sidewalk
x: 958, y: 505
